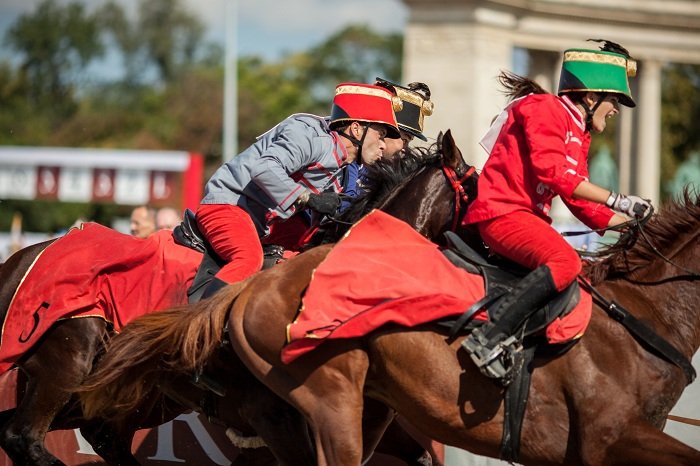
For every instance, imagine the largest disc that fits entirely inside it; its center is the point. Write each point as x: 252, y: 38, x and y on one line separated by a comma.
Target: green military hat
x: 416, y: 106
x: 597, y: 71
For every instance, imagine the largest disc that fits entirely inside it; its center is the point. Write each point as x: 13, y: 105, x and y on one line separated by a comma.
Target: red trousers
x: 289, y: 234
x: 531, y: 242
x: 232, y: 234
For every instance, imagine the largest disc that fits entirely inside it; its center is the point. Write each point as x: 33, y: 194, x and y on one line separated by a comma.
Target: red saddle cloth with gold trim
x: 385, y: 272
x: 94, y: 271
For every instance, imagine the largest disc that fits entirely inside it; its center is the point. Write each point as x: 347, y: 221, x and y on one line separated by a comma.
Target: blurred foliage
x: 680, y: 118
x: 166, y: 90
x: 54, y: 44
x: 169, y: 92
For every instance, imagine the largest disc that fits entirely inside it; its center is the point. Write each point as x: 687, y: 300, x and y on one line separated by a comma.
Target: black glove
x: 632, y: 206
x: 324, y: 203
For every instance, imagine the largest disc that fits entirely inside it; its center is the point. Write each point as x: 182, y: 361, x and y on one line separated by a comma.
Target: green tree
x: 170, y: 34
x: 356, y: 53
x: 680, y: 117
x: 55, y: 44
x: 305, y: 81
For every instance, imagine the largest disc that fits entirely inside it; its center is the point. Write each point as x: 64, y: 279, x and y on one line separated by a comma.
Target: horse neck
x: 670, y: 294
x: 425, y: 202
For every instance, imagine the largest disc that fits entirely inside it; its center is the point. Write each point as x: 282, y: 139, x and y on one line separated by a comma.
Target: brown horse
x: 603, y: 402
x: 428, y: 196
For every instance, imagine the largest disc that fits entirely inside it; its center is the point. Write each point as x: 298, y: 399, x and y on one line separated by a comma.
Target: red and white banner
x: 125, y: 177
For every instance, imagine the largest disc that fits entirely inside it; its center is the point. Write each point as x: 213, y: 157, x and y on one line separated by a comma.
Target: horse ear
x: 451, y: 154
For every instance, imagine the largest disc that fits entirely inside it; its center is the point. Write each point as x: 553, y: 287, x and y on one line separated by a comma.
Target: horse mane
x: 380, y: 180
x: 676, y: 219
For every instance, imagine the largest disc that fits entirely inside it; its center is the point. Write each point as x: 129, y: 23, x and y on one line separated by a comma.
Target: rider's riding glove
x: 324, y: 203
x: 632, y: 206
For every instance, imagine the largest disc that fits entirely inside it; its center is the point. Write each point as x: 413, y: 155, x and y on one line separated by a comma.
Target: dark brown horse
x: 603, y: 402
x: 52, y: 370
x: 430, y: 199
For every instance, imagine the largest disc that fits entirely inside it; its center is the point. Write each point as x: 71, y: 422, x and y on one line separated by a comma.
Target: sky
x: 267, y: 28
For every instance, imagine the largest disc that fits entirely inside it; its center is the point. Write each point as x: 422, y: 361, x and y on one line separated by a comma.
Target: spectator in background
x: 143, y: 221
x: 167, y: 218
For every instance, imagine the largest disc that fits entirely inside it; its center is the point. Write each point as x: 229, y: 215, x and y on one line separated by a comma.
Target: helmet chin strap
x: 357, y: 142
x: 591, y: 111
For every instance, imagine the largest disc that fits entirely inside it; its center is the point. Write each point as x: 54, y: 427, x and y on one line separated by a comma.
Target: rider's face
x: 608, y: 108
x: 396, y: 147
x: 374, y: 146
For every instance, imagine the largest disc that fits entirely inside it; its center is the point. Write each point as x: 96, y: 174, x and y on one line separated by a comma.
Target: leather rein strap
x: 642, y: 331
x: 684, y: 420
x: 461, y: 196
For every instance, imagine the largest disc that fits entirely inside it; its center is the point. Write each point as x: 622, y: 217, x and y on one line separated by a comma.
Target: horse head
x: 658, y: 274
x: 435, y: 190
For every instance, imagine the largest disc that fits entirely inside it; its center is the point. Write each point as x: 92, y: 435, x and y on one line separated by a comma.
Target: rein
x: 684, y: 420
x: 690, y: 273
x: 461, y: 195
x: 642, y: 331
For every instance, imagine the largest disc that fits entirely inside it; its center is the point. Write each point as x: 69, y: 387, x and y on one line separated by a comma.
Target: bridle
x: 632, y: 230
x: 461, y: 197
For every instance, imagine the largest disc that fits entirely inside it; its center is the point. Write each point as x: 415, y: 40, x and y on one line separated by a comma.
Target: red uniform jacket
x: 541, y: 152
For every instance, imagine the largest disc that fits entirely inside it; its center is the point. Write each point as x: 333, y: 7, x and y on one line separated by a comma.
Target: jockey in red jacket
x: 538, y: 149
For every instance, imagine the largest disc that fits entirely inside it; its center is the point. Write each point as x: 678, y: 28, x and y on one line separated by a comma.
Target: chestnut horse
x: 604, y: 402
x: 429, y: 196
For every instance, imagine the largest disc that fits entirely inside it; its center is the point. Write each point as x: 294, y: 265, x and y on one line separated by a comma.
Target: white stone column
x: 544, y: 69
x: 624, y: 146
x: 460, y: 62
x: 648, y: 157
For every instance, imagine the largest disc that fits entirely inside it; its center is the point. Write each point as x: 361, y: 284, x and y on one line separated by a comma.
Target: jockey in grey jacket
x: 297, y: 164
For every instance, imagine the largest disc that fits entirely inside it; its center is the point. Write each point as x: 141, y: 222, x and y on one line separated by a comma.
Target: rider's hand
x: 324, y: 203
x: 632, y: 206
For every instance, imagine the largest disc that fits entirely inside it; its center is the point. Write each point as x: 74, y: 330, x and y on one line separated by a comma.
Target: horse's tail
x: 179, y: 340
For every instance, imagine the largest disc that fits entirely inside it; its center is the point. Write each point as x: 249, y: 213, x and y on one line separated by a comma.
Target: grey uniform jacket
x: 299, y: 153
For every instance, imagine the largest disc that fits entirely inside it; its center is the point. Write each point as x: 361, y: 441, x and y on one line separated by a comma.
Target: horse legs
x: 376, y: 417
x: 400, y: 443
x: 330, y: 397
x: 335, y: 418
x: 114, y: 447
x: 56, y: 367
x: 642, y: 444
x: 282, y: 427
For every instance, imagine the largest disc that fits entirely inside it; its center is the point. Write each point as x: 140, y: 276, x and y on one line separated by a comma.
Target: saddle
x: 500, y: 276
x: 187, y: 234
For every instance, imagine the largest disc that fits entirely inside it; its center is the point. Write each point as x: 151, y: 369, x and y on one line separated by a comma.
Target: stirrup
x: 495, y: 362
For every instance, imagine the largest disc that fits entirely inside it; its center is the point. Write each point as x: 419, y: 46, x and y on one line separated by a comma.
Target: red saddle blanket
x: 385, y: 272
x: 94, y: 271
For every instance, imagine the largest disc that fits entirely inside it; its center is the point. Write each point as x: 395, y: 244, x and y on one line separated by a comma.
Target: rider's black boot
x: 491, y: 345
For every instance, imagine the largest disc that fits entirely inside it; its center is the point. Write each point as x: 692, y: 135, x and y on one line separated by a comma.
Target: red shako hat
x: 365, y: 102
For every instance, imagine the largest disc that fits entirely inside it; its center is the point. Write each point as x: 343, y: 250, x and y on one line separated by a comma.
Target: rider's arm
x: 290, y: 150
